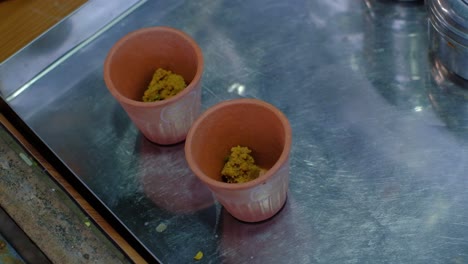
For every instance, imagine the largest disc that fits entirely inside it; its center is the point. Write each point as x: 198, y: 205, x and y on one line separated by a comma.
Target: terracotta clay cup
x: 128, y: 70
x: 254, y: 124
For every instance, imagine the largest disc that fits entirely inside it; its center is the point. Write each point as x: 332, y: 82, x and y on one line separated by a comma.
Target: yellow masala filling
x: 240, y: 166
x: 163, y: 85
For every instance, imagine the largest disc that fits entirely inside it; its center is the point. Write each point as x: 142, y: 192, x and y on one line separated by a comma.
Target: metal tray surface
x: 379, y: 158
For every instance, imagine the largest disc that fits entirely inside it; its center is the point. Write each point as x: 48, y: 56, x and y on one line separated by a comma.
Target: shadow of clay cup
x: 246, y: 122
x: 129, y: 67
x: 168, y: 182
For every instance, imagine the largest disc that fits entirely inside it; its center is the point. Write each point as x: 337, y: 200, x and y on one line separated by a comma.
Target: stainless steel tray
x: 379, y: 159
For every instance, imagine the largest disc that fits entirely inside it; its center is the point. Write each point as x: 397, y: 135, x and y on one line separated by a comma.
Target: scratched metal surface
x: 379, y: 159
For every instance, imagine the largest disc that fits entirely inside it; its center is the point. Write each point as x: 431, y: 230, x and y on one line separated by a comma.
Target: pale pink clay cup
x: 129, y: 67
x: 246, y: 122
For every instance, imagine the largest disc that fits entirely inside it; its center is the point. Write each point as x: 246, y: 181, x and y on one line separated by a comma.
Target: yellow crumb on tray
x: 240, y: 166
x: 198, y: 256
x: 164, y: 85
x: 161, y: 228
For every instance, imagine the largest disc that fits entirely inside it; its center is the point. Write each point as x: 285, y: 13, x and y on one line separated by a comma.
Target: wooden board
x: 21, y: 21
x: 111, y: 233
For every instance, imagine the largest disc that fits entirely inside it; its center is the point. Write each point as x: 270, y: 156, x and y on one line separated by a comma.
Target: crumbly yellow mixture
x: 164, y: 84
x: 240, y: 166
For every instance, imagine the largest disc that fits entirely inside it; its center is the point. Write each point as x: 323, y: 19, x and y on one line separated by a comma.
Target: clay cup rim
x: 152, y: 30
x: 283, y: 158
